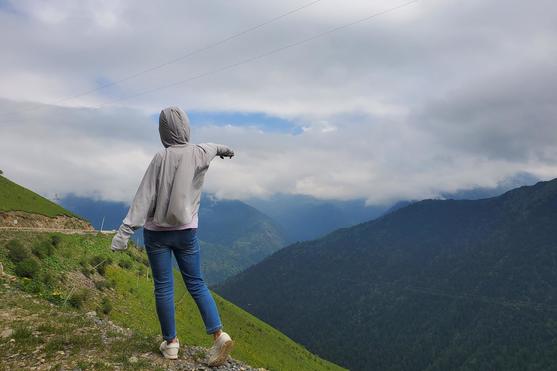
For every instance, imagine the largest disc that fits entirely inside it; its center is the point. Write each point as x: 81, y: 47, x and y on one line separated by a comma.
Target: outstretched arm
x: 143, y: 203
x: 212, y: 150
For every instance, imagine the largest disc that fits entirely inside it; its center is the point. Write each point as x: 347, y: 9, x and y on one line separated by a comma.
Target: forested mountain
x: 233, y: 234
x: 436, y: 285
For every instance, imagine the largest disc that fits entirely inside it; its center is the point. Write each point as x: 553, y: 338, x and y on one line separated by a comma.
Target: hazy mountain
x: 305, y: 217
x: 233, y: 234
x: 436, y: 285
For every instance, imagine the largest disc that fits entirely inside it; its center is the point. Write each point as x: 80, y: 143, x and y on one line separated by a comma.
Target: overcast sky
x: 434, y: 97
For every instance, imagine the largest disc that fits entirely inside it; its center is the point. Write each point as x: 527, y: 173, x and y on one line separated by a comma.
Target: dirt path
x: 60, y: 230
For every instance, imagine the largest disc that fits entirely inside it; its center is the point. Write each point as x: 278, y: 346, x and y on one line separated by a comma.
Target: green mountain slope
x: 81, y: 271
x: 14, y: 197
x: 437, y: 285
x: 233, y: 237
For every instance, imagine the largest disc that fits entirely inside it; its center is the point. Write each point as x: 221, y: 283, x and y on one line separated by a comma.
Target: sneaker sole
x: 168, y: 356
x: 223, y: 355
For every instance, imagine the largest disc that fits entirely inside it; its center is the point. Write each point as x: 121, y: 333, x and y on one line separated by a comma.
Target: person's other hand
x: 119, y: 243
x: 121, y: 238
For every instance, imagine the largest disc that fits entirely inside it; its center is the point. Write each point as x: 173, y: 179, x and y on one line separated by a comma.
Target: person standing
x: 166, y: 205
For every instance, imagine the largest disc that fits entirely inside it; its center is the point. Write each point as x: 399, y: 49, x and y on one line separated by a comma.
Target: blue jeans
x: 185, y: 246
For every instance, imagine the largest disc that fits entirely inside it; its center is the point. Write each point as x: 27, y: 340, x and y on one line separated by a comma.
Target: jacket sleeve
x: 143, y: 202
x: 211, y: 150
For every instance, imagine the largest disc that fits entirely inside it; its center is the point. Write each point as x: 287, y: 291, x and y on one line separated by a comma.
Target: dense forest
x: 436, y: 285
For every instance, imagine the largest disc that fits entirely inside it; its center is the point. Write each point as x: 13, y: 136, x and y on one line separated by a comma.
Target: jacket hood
x: 174, y: 127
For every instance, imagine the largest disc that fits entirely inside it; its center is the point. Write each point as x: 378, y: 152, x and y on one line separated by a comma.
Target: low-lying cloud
x: 433, y: 98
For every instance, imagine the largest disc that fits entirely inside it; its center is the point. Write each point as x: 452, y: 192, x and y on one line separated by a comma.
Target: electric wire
x: 264, y: 54
x: 268, y: 53
x: 187, y: 55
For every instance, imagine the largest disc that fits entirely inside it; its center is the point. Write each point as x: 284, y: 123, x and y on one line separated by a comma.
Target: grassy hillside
x: 14, y: 197
x: 119, y: 286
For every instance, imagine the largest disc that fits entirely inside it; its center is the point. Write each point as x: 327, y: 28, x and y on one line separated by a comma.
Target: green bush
x: 100, y: 263
x: 140, y: 259
x: 106, y: 305
x: 78, y: 298
x: 32, y: 286
x: 42, y: 249
x: 125, y: 263
x: 141, y: 270
x: 55, y: 240
x: 101, y: 285
x: 47, y: 278
x: 17, y: 252
x: 28, y: 267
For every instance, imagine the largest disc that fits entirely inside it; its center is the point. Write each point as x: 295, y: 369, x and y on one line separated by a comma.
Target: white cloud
x: 435, y: 97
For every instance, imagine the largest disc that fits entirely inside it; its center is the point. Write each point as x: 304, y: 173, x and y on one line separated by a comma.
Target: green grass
x: 133, y: 303
x: 14, y: 197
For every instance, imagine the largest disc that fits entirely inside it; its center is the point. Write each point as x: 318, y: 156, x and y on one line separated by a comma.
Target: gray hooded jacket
x: 171, y: 187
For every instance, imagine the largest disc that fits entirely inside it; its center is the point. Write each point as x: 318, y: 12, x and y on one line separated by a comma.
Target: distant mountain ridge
x: 233, y: 234
x: 306, y: 218
x: 436, y: 285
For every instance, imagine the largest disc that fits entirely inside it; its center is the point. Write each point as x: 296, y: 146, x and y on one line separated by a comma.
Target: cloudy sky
x: 437, y: 96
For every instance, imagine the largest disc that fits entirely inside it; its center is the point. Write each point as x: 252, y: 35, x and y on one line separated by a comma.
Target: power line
x: 193, y: 52
x: 189, y: 54
x: 270, y: 52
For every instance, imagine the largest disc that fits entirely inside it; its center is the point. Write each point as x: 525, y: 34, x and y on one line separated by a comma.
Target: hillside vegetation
x: 14, y: 197
x: 233, y: 235
x: 437, y: 285
x: 79, y: 273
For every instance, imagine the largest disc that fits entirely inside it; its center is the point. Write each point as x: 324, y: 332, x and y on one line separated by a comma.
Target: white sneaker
x: 170, y: 351
x: 220, y: 350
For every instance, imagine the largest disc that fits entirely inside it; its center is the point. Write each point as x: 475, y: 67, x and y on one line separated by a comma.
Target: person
x: 166, y: 205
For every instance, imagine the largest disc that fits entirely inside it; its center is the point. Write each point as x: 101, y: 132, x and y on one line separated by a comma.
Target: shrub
x: 125, y: 263
x: 101, y: 269
x: 99, y: 263
x: 138, y: 258
x: 141, y: 270
x: 32, y: 286
x: 96, y: 260
x: 78, y: 298
x: 42, y: 249
x: 145, y: 261
x: 28, y: 267
x: 101, y: 285
x: 106, y: 305
x: 55, y: 240
x: 22, y: 333
x: 86, y: 272
x: 17, y: 252
x: 47, y: 278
